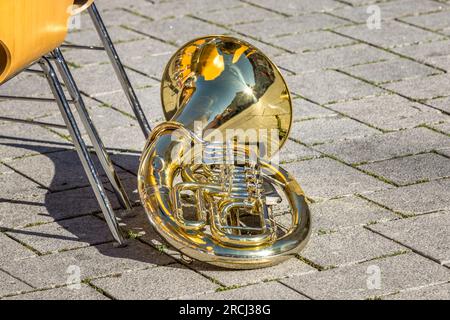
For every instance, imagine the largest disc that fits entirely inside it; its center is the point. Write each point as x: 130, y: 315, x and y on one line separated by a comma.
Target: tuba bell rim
x: 222, y: 36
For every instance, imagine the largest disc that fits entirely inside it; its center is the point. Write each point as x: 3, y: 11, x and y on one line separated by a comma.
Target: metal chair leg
x: 99, y: 148
x: 82, y: 150
x: 119, y: 69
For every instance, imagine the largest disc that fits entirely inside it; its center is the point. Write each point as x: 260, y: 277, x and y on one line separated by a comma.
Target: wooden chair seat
x: 30, y: 29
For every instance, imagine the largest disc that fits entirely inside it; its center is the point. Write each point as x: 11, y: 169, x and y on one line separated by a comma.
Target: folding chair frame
x: 76, y: 98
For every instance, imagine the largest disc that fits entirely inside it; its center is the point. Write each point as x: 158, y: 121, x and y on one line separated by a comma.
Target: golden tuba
x: 205, y: 178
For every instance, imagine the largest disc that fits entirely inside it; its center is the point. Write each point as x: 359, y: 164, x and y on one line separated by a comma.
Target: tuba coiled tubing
x: 215, y: 199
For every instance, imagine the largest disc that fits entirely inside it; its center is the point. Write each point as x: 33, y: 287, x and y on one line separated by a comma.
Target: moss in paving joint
x: 99, y: 290
x: 264, y: 8
x: 359, y: 169
x: 137, y: 13
x: 376, y: 176
x: 161, y: 248
x: 34, y: 224
x: 435, y: 130
x: 62, y: 135
x: 37, y: 252
x: 400, y: 214
x: 336, y: 46
x: 228, y: 28
x: 390, y: 51
x: 150, y: 36
x: 235, y: 286
x: 389, y: 255
x: 398, y: 19
x: 322, y: 232
x: 130, y: 234
x: 310, y: 263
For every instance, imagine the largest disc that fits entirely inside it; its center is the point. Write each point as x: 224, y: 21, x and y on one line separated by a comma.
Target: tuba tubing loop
x: 158, y: 203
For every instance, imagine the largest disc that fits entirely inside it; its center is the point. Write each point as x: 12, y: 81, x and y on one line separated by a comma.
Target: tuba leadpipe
x: 206, y: 178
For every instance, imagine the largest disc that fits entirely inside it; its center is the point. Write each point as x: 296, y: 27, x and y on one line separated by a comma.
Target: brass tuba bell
x: 205, y: 178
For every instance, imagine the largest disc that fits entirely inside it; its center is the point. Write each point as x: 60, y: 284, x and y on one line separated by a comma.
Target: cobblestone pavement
x: 370, y: 145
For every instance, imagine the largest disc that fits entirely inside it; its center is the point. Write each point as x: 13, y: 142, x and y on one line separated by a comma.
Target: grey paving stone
x: 56, y: 170
x: 18, y: 140
x: 393, y: 70
x: 26, y: 110
x: 13, y: 183
x: 116, y: 130
x: 311, y: 41
x: 426, y: 51
x: 293, y: 151
x: 264, y: 291
x: 102, y: 116
x: 423, y: 88
x: 443, y: 127
x: 442, y: 62
x: 433, y: 21
x: 169, y: 30
x: 118, y: 17
x: 114, y: 4
x: 416, y: 199
x: 445, y: 152
x: 64, y: 235
x: 160, y: 283
x: 386, y: 146
x: 339, y: 87
x: 326, y: 178
x: 143, y: 48
x: 349, y: 246
x: 232, y: 16
x: 333, y: 215
x: 152, y: 65
x: 427, y: 234
x: 398, y: 273
x: 12, y: 250
x: 268, y: 48
x: 390, y: 9
x: 357, y: 3
x: 26, y: 84
x: 303, y: 110
x: 332, y: 58
x: 440, y: 103
x: 162, y: 10
x: 123, y: 137
x: 329, y: 129
x: 412, y: 169
x: 89, y: 37
x: 88, y: 58
x: 10, y: 285
x: 436, y: 292
x: 277, y: 27
x: 128, y: 161
x: 91, y: 79
x: 95, y: 261
x: 150, y: 99
x: 297, y: 7
x: 83, y: 293
x: 228, y: 277
x: 389, y: 112
x: 404, y: 34
x: 36, y: 206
